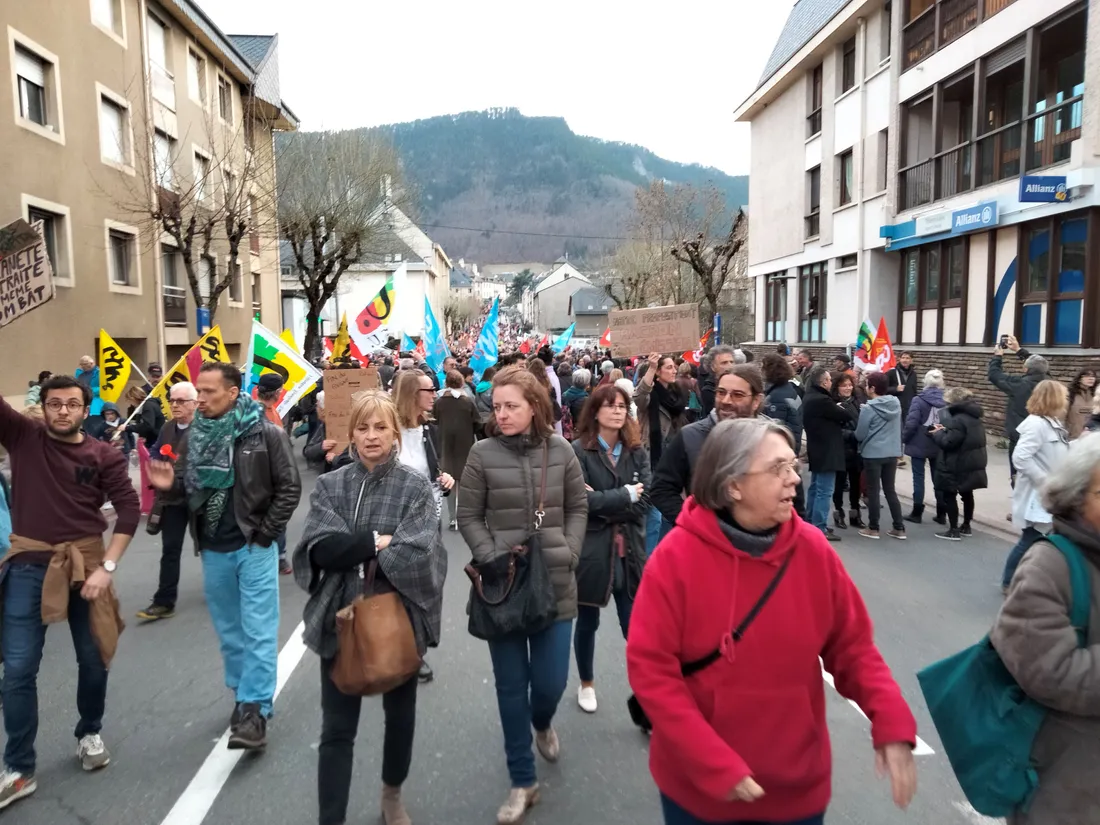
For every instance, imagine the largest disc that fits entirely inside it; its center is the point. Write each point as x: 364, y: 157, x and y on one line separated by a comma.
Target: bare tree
x: 713, y: 260
x: 208, y: 202
x: 337, y: 193
x: 459, y: 311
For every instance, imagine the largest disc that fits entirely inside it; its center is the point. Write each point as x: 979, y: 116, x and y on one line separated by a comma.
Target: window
x: 811, y: 302
x: 121, y: 257
x: 174, y: 295
x: 776, y: 307
x: 31, y: 72
x: 158, y: 42
x: 1052, y: 297
x: 229, y: 191
x: 846, y: 167
x: 163, y: 155
x: 848, y: 65
x: 887, y: 31
x: 108, y: 16
x: 225, y: 100
x: 196, y: 77
x: 846, y: 262
x: 50, y: 223
x: 934, y: 275
x: 201, y: 170
x: 112, y: 131
x: 813, y: 120
x: 912, y: 279
x: 236, y: 287
x: 257, y: 302
x: 931, y: 276
x: 881, y: 160
x: 206, y: 274
x: 813, y: 217
x: 956, y: 270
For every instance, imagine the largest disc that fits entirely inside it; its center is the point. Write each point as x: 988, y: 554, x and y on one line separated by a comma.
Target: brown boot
x: 393, y: 809
x: 515, y: 806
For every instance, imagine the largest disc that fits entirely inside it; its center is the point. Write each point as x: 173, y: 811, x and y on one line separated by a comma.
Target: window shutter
x: 30, y: 66
x: 1005, y: 57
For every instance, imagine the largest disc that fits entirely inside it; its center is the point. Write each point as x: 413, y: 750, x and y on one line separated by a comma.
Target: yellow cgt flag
x: 115, y: 367
x: 210, y: 347
x: 288, y: 336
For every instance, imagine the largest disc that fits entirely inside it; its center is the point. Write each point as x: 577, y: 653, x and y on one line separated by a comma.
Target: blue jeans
x: 918, y: 484
x: 23, y: 638
x: 242, y: 593
x: 530, y: 674
x: 675, y: 815
x: 588, y: 622
x: 1027, y: 538
x: 819, y: 497
x: 656, y: 528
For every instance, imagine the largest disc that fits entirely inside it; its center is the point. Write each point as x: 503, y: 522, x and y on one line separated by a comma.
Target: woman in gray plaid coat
x: 373, y: 509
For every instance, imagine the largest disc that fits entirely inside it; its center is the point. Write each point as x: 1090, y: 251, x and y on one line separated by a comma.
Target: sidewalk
x: 991, y: 505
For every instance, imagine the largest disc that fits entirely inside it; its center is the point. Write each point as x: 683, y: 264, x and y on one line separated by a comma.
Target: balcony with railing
x: 941, y: 23
x: 175, y: 306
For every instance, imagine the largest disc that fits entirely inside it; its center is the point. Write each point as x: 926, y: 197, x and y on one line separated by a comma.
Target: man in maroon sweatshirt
x: 58, y: 568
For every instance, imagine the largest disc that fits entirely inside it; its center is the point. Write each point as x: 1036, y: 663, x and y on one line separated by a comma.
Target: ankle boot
x: 393, y: 809
x: 915, y: 516
x: 838, y: 519
x: 855, y: 519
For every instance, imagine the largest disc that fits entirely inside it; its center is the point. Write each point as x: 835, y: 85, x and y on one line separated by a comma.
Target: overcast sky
x: 666, y: 76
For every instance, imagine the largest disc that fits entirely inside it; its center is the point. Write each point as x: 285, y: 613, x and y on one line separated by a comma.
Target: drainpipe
x: 158, y: 272
x: 862, y: 262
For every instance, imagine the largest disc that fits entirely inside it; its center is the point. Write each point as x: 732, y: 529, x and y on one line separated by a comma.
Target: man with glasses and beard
x: 738, y: 393
x: 58, y: 568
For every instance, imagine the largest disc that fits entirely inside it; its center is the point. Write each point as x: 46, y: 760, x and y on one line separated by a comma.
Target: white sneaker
x: 93, y: 753
x: 15, y: 785
x: 586, y: 698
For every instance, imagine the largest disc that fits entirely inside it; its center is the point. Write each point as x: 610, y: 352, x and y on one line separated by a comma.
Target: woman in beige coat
x: 1039, y: 646
x: 497, y: 511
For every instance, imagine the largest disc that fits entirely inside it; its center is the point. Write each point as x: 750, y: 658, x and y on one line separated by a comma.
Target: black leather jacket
x: 266, y: 488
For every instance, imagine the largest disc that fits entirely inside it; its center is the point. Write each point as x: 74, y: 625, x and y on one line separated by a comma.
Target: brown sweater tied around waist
x: 68, y: 566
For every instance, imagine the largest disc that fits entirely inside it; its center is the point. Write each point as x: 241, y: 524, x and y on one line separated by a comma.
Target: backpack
x: 985, y: 720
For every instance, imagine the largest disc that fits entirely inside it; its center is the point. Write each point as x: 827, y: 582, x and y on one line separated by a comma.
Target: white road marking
x: 973, y: 817
x: 198, y: 798
x: 922, y: 748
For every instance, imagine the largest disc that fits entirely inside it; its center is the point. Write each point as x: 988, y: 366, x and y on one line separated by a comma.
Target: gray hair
x: 1068, y: 482
x: 739, y: 357
x: 714, y: 352
x: 407, y: 363
x: 956, y: 395
x: 187, y: 391
x: 815, y: 376
x: 582, y: 378
x: 1037, y: 363
x: 321, y: 399
x: 933, y: 378
x: 607, y: 366
x: 728, y: 454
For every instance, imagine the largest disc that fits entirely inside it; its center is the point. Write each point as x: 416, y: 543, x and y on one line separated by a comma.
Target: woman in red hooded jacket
x: 744, y: 739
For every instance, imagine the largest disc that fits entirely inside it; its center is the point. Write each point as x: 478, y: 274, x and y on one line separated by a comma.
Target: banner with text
x: 210, y: 347
x: 26, y: 277
x: 115, y: 367
x: 658, y: 329
x: 340, y: 386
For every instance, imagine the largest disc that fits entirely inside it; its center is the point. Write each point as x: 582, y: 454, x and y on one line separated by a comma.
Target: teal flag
x: 562, y: 341
x: 486, y: 350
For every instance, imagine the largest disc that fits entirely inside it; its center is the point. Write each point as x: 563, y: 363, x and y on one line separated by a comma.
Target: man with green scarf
x: 242, y: 487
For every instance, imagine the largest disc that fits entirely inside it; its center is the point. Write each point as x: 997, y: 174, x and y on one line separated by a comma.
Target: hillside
x: 502, y: 171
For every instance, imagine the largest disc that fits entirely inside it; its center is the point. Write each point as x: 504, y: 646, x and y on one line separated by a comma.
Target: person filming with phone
x: 1018, y: 388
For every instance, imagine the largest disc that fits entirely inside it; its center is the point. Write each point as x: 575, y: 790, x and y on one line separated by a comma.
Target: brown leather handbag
x: 376, y: 646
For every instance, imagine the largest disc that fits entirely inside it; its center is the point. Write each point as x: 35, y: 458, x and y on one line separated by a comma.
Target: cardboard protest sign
x: 340, y: 386
x: 660, y: 329
x: 26, y: 277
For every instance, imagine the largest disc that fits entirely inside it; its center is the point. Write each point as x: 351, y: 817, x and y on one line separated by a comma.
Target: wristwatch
x: 110, y: 566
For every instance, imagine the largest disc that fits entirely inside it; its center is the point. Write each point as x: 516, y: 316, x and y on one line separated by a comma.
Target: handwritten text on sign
x: 26, y: 278
x: 660, y: 329
x: 340, y: 387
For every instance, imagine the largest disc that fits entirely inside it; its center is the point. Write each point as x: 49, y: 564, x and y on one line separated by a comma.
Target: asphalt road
x: 167, y: 709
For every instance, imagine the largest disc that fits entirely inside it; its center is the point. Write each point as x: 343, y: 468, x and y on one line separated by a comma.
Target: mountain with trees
x: 502, y: 174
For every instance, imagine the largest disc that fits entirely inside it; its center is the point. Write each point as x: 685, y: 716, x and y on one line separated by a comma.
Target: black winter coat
x: 783, y: 404
x: 963, y: 456
x: 609, y: 511
x: 823, y: 422
x: 1018, y: 388
x: 852, y: 459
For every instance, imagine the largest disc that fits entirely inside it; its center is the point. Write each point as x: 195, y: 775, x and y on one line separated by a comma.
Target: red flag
x: 696, y: 357
x: 545, y: 342
x: 605, y: 339
x: 421, y: 350
x: 525, y: 347
x: 882, y: 351
x: 353, y: 351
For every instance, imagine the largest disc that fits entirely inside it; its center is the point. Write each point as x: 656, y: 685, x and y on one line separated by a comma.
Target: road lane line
x: 922, y: 748
x: 973, y: 817
x: 198, y: 798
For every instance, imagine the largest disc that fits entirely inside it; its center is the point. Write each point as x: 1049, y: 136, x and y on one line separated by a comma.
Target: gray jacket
x: 1043, y: 443
x: 1038, y: 645
x: 496, y: 511
x: 879, y: 429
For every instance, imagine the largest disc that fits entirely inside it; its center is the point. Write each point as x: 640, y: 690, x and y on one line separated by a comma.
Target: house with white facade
x: 545, y: 303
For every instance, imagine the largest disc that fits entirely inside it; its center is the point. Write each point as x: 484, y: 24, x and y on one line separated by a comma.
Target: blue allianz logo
x: 981, y: 216
x: 1043, y: 189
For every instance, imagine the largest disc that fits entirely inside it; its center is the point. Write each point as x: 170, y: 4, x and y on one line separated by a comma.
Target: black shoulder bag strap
x: 688, y: 668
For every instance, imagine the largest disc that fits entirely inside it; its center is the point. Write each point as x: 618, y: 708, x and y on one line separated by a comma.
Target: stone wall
x: 968, y: 368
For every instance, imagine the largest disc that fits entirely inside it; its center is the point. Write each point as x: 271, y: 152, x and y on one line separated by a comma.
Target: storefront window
x: 956, y: 269
x: 1071, y: 274
x: 1054, y: 282
x: 811, y: 302
x: 912, y: 262
x: 932, y: 275
x: 1038, y: 259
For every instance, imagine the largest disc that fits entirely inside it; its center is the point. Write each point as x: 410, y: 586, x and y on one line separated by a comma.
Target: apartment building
x: 117, y: 105
x: 820, y: 119
x: 993, y: 163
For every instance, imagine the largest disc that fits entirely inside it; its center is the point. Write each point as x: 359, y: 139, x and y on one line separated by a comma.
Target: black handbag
x: 637, y: 712
x: 513, y: 592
